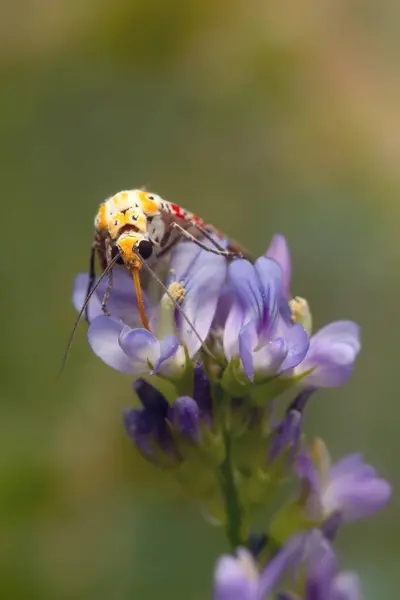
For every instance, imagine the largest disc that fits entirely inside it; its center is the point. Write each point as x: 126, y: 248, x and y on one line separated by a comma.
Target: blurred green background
x: 262, y: 116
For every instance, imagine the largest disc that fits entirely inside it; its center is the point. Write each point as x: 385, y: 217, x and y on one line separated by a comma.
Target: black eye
x: 134, y: 218
x: 145, y: 248
x: 114, y: 253
x: 150, y: 197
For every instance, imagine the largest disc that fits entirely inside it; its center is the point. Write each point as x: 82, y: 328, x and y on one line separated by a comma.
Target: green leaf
x: 287, y: 521
x: 266, y: 390
x: 233, y: 380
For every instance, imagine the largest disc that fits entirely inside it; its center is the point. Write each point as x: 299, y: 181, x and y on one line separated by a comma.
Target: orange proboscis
x: 138, y: 290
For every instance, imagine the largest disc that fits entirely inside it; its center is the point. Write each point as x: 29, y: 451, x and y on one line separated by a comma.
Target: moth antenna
x: 82, y: 311
x: 180, y: 309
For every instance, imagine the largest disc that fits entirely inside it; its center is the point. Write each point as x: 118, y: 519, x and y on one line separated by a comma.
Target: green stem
x: 234, y: 512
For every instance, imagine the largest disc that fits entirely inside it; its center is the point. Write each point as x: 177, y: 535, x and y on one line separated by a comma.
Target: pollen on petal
x: 177, y: 291
x: 301, y: 313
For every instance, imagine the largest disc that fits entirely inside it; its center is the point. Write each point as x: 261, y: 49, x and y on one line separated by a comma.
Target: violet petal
x: 308, y: 475
x: 185, y: 415
x: 346, y: 586
x: 356, y: 498
x: 103, y: 337
x: 279, y: 251
x: 333, y: 350
x: 141, y: 346
x: 150, y: 397
x: 233, y: 326
x: 247, y: 341
x: 167, y: 348
x: 321, y: 569
x: 232, y: 581
x: 245, y: 286
x: 270, y: 280
x: 202, y: 391
x: 268, y: 359
x: 297, y: 342
x: 285, y: 559
x: 202, y: 274
x: 79, y: 292
x: 139, y: 427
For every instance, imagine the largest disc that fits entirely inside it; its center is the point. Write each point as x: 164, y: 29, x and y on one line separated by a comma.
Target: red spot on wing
x: 177, y: 211
x: 181, y: 213
x: 198, y: 221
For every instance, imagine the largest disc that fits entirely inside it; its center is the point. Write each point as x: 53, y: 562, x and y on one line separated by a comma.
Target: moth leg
x: 106, y: 297
x: 208, y: 235
x: 168, y: 247
x: 219, y: 251
x: 235, y: 248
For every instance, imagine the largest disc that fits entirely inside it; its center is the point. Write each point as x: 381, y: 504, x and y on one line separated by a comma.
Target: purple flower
x: 134, y: 351
x: 286, y: 435
x: 111, y: 337
x: 331, y: 355
x: 157, y: 428
x: 184, y: 414
x: 195, y: 279
x: 322, y: 580
x: 306, y: 563
x: 202, y: 393
x: 345, y: 491
x: 150, y: 428
x: 346, y: 586
x: 237, y: 577
x: 333, y: 349
x: 147, y: 426
x: 256, y: 329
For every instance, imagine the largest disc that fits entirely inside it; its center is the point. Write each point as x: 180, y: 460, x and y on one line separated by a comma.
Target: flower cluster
x: 307, y: 563
x: 227, y: 340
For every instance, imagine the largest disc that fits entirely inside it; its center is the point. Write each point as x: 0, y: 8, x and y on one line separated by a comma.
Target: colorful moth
x: 135, y: 226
